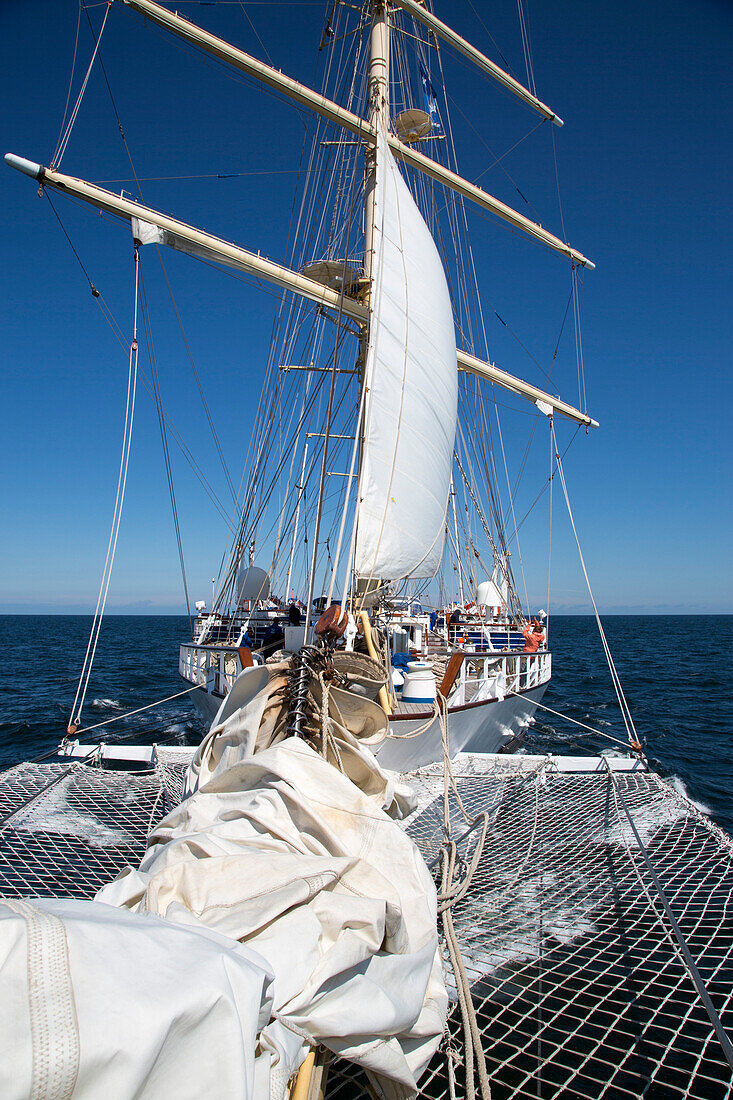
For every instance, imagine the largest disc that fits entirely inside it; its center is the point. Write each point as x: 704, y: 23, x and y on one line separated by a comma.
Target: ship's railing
x: 214, y: 668
x: 494, y: 676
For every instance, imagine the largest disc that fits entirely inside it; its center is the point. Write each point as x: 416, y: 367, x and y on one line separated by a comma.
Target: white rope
x: 567, y: 718
x: 452, y: 892
x: 116, y: 519
x: 625, y: 711
x: 511, y: 504
x: 549, y: 540
x: 64, y: 141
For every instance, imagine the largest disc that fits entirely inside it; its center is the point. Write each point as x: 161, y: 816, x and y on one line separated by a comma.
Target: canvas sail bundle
x: 100, y: 1002
x: 280, y: 906
x: 412, y: 392
x: 282, y: 854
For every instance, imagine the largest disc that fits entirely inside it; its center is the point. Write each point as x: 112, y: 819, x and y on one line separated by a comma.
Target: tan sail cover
x: 411, y: 379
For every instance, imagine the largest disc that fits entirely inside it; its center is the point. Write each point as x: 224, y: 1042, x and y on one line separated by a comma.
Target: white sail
x: 412, y: 393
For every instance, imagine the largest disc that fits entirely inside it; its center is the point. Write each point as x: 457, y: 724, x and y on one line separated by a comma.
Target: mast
x: 301, y: 491
x: 461, y: 596
x: 378, y: 117
x: 378, y: 92
x: 378, y: 95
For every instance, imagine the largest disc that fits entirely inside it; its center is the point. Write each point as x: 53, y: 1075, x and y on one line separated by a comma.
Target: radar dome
x: 488, y: 594
x: 253, y: 583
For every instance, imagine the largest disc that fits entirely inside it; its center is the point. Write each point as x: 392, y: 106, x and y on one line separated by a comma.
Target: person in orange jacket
x: 533, y: 636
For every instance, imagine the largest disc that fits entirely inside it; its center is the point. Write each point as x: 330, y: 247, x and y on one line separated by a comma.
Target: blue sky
x: 644, y: 162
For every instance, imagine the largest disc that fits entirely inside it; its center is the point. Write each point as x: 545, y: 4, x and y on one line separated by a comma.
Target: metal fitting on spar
x: 27, y: 167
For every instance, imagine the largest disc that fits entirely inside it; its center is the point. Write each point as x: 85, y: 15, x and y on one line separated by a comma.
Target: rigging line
x: 92, y: 287
x: 462, y: 206
x: 319, y: 510
x: 547, y: 484
x: 527, y: 47
x: 525, y: 456
x: 498, y: 161
x: 245, y: 532
x: 112, y: 98
x: 454, y: 206
x: 511, y: 502
x: 564, y: 319
x: 206, y: 176
x: 262, y: 435
x: 476, y: 503
x: 258, y: 444
x: 58, y: 155
x: 557, y: 183
x: 328, y: 425
x: 622, y: 702
x: 71, y: 82
x: 198, y: 379
x: 224, y: 69
x: 281, y: 517
x: 579, y: 342
x: 264, y: 47
x: 164, y: 441
x: 165, y: 273
x: 313, y: 463
x: 506, y: 64
x: 554, y: 355
x: 521, y: 343
x: 262, y: 460
x: 309, y: 174
x: 91, y: 649
x: 549, y: 537
x: 118, y: 333
x: 576, y: 722
x: 130, y: 713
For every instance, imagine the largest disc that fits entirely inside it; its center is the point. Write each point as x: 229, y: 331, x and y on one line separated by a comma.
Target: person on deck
x: 454, y: 625
x: 533, y: 636
x: 294, y: 615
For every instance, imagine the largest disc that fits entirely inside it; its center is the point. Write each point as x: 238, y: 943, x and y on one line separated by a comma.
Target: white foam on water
x: 681, y: 788
x: 514, y: 922
x: 647, y: 821
x: 52, y: 813
x: 106, y: 704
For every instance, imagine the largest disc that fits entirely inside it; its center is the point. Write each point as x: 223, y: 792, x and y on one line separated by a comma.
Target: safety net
x: 592, y: 913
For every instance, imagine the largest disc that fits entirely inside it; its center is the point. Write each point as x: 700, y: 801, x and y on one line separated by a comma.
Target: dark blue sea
x: 674, y: 671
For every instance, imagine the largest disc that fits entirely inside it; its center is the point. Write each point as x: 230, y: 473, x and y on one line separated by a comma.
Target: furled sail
x: 412, y: 392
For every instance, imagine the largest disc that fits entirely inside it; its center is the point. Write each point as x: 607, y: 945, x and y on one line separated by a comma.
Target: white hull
x: 488, y: 726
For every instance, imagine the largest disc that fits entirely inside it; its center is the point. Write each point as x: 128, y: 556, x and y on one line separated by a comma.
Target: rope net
x: 578, y: 985
x: 576, y: 980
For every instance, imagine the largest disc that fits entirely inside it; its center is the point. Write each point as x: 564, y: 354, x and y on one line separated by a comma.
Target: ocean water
x: 673, y: 670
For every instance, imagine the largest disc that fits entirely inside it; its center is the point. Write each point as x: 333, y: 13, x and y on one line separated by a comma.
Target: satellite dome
x: 488, y: 594
x: 253, y: 583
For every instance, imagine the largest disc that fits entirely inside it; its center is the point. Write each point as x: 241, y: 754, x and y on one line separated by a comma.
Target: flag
x: 431, y: 103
